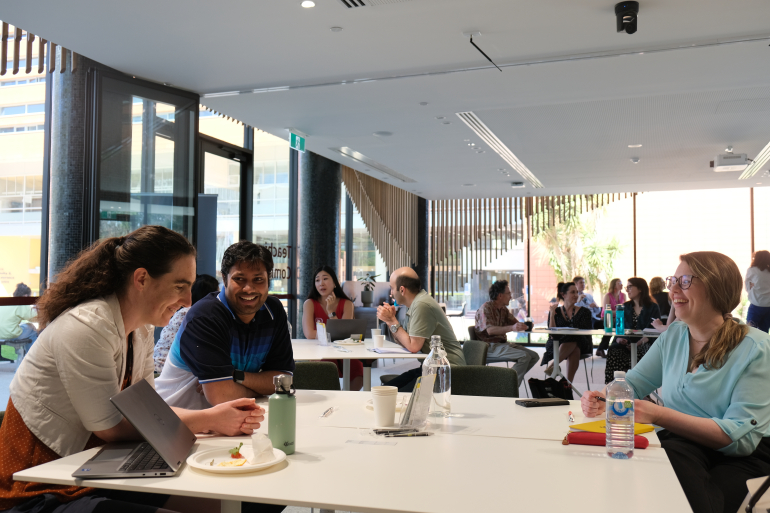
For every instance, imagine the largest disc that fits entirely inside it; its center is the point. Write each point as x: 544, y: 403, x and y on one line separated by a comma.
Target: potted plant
x: 367, y: 295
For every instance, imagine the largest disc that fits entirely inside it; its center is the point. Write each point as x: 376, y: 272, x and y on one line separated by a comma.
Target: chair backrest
x: 472, y: 333
x: 475, y: 352
x: 316, y: 376
x: 483, y: 381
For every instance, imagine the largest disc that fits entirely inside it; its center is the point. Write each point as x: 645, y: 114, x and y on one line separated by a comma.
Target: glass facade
x: 22, y: 122
x: 222, y: 177
x: 366, y: 257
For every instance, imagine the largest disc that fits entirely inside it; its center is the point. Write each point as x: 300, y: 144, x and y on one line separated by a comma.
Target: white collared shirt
x: 63, y: 386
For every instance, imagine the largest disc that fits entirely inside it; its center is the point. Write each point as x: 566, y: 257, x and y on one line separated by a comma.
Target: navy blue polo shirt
x: 212, y: 341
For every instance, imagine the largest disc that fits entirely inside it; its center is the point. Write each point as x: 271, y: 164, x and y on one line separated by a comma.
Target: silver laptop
x: 340, y: 329
x: 167, y: 439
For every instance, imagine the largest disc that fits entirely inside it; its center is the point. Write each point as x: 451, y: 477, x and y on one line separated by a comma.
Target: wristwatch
x: 239, y: 376
x: 394, y: 328
x: 332, y: 315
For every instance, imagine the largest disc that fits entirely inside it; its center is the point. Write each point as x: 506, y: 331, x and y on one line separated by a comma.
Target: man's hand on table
x: 238, y: 417
x: 387, y: 314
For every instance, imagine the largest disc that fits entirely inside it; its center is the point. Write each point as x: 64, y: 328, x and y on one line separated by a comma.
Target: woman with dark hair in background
x: 758, y: 286
x: 204, y: 285
x: 98, y: 317
x: 639, y: 312
x: 613, y: 297
x: 325, y: 301
x: 712, y: 372
x: 573, y: 316
x: 658, y: 293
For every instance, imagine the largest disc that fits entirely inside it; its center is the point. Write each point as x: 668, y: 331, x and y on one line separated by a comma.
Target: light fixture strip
x: 757, y: 164
x: 494, y: 142
x: 363, y: 159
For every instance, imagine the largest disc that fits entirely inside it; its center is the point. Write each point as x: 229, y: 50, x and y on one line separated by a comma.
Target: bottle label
x: 622, y: 408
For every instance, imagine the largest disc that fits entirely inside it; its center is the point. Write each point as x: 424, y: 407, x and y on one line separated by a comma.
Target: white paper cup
x: 376, y: 332
x: 379, y: 340
x: 384, y: 409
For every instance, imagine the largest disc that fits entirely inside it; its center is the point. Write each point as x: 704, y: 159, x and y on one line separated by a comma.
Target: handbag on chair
x: 549, y: 387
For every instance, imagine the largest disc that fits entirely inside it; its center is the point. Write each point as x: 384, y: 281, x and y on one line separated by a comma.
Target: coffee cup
x: 384, y: 403
x: 379, y: 340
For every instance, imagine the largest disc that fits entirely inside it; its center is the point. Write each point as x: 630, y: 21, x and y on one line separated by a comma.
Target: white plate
x: 202, y: 460
x: 400, y: 405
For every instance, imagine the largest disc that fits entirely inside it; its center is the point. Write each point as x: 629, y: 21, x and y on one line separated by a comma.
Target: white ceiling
x: 569, y: 121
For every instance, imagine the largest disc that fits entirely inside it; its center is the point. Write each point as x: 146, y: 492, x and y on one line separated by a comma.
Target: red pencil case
x: 584, y: 438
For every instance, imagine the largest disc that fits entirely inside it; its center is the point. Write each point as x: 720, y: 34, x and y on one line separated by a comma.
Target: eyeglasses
x: 684, y: 281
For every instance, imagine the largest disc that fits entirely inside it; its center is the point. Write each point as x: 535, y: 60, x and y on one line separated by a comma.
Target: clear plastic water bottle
x: 608, y: 318
x: 620, y: 320
x: 437, y: 363
x: 620, y: 418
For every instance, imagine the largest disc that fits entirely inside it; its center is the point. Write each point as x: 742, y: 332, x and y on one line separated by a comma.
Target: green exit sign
x: 297, y: 143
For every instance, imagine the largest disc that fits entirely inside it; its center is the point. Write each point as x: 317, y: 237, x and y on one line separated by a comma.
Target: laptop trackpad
x: 116, y: 454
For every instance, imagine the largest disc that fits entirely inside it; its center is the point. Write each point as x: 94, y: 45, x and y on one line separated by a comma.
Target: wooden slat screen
x: 389, y: 214
x: 10, y: 42
x: 466, y: 235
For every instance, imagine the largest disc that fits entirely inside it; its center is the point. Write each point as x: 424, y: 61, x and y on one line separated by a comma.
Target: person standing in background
x: 613, y: 297
x: 657, y: 291
x: 14, y: 325
x: 758, y: 286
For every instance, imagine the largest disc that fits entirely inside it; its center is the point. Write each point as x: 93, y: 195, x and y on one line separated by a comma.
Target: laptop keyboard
x: 144, y: 458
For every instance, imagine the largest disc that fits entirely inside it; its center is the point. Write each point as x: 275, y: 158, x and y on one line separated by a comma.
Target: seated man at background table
x: 424, y: 319
x: 587, y: 300
x: 14, y: 325
x: 493, y: 321
x: 231, y: 343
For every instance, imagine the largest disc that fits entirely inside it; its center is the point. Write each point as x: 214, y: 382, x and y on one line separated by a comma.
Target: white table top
x: 310, y: 350
x: 332, y: 469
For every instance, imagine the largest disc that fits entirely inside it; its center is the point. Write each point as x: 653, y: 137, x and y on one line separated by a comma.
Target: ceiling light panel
x: 360, y: 157
x: 494, y: 142
x: 757, y: 164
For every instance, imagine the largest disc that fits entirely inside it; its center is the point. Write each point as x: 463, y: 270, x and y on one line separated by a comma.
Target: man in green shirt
x: 424, y: 319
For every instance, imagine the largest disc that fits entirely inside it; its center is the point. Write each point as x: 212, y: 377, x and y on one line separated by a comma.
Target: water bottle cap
x: 620, y: 374
x: 283, y: 382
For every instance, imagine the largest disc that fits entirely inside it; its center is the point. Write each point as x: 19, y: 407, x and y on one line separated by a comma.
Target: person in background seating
x: 424, y: 319
x: 571, y: 347
x: 613, y: 297
x: 658, y: 293
x: 493, y: 321
x: 204, y: 285
x: 326, y: 300
x: 14, y: 323
x: 586, y: 300
x: 758, y: 287
x: 638, y: 313
x: 97, y: 339
x: 713, y: 375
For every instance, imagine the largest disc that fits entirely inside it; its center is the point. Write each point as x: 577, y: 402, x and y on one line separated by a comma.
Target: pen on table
x: 393, y: 435
x: 328, y: 412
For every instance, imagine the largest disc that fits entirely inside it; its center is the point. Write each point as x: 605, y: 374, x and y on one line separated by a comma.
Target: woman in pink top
x: 613, y: 297
x: 325, y: 301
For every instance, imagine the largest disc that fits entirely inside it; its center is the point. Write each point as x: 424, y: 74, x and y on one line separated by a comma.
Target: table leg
x: 346, y: 375
x: 368, y: 374
x: 633, y: 354
x: 231, y: 506
x: 556, y: 368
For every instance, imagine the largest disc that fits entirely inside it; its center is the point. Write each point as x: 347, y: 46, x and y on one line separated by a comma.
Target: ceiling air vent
x: 353, y: 3
x: 363, y: 159
x: 364, y: 3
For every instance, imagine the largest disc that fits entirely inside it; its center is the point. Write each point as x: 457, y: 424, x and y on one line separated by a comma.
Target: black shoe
x: 601, y: 353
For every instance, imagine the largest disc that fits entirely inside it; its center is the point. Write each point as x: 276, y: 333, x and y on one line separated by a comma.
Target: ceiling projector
x: 730, y: 162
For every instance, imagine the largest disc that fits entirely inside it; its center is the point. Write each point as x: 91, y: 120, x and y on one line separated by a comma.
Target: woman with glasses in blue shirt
x: 715, y: 384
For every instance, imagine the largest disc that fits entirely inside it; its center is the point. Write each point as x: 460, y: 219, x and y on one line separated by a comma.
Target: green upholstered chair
x: 316, y: 376
x: 475, y: 352
x: 387, y: 377
x: 483, y: 381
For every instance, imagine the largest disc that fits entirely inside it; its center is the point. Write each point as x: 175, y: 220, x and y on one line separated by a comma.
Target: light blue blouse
x: 732, y: 396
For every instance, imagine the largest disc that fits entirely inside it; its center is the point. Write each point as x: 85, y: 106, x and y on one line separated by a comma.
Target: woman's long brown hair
x: 723, y: 283
x: 105, y: 267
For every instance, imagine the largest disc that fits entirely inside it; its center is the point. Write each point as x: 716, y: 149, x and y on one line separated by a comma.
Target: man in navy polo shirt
x: 231, y: 343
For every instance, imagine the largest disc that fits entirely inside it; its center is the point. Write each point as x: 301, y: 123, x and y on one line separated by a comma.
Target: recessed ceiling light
x: 467, y: 140
x: 635, y: 160
x: 447, y: 122
x: 382, y: 134
x: 307, y: 4
x: 423, y: 103
x: 517, y: 185
x: 471, y: 144
x: 440, y: 117
x: 480, y: 151
x: 634, y: 145
x: 469, y: 185
x: 336, y: 29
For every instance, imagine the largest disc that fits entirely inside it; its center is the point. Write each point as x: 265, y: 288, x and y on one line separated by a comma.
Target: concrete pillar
x: 320, y: 184
x: 68, y: 136
x: 422, y: 264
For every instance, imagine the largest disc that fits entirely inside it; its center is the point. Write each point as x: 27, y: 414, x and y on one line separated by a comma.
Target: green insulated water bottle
x: 282, y: 414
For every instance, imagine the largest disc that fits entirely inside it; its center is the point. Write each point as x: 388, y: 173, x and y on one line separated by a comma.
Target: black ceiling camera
x: 626, y: 13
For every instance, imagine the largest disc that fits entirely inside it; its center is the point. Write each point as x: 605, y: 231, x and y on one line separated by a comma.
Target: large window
x: 365, y: 257
x: 22, y: 120
x: 145, y: 172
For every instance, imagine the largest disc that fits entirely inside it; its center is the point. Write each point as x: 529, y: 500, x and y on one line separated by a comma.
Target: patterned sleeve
x: 481, y: 318
x: 167, y: 338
